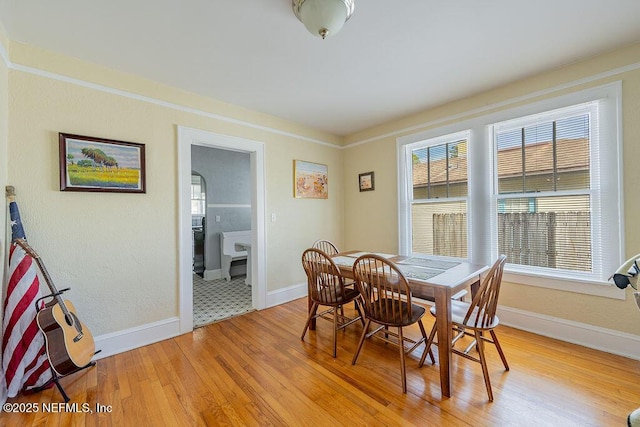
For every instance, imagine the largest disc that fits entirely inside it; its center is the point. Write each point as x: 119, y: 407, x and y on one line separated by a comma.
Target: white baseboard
x: 235, y: 270
x: 284, y: 295
x: 595, y: 337
x: 128, y: 339
x: 212, y: 274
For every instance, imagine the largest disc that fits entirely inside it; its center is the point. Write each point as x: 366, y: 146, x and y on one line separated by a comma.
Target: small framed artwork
x: 366, y: 182
x: 310, y: 180
x: 97, y: 164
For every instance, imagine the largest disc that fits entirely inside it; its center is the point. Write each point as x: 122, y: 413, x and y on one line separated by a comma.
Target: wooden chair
x: 387, y: 302
x: 326, y: 287
x: 326, y: 246
x: 330, y: 249
x: 477, y: 317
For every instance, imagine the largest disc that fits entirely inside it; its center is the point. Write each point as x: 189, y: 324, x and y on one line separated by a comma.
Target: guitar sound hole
x: 69, y: 319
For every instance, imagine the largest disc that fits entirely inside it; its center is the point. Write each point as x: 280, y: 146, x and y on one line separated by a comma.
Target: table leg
x: 475, y: 286
x: 443, y: 322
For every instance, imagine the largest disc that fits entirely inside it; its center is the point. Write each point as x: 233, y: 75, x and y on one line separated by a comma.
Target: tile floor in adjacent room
x: 215, y: 300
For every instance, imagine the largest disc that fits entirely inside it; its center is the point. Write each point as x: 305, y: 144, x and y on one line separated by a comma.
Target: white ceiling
x: 391, y: 59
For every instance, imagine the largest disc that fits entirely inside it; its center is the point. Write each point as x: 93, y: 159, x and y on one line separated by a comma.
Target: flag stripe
x: 39, y: 374
x: 24, y: 360
x: 30, y: 284
x: 21, y: 354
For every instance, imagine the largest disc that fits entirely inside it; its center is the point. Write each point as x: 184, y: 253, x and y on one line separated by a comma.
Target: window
x: 544, y: 188
x: 439, y: 196
x: 540, y: 183
x: 198, y: 195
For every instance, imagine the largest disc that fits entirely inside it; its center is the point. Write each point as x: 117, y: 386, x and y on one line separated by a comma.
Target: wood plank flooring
x: 254, y: 370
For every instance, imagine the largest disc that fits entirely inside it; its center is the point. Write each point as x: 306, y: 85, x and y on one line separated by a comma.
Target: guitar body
x: 69, y: 343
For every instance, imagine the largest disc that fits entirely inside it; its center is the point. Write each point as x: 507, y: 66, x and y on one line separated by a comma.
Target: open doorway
x: 221, y: 285
x: 188, y: 138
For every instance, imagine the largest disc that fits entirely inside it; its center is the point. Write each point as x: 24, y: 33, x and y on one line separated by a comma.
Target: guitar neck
x: 45, y: 274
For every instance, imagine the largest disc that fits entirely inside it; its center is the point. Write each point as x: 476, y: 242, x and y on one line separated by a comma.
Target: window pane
x: 573, y: 159
x: 420, y: 173
x: 510, y: 177
x: 440, y: 228
x: 195, y: 207
x: 538, y: 155
x: 440, y: 171
x: 555, y: 156
x: 458, y: 169
x: 552, y: 232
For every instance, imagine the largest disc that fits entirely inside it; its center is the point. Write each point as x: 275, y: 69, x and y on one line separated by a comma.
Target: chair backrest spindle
x: 381, y: 283
x: 482, y: 310
x: 326, y: 246
x: 325, y: 282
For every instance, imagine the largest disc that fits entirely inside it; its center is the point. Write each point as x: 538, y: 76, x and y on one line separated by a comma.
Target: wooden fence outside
x: 543, y: 239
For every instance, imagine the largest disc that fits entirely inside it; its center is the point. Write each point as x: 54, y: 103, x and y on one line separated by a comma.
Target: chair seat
x: 388, y: 312
x: 459, y: 311
x: 330, y: 296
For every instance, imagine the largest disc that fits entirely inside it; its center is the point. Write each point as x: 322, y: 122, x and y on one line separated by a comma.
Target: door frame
x: 188, y: 137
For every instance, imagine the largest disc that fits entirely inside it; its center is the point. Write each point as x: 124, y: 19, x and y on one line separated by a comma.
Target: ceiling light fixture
x: 323, y: 17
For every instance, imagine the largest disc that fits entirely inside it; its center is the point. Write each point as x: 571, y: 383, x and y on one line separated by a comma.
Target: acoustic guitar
x: 69, y: 343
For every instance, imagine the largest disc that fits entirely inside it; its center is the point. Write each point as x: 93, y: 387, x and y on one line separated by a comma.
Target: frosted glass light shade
x: 323, y: 18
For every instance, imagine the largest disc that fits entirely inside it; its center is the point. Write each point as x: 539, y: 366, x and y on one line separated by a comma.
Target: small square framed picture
x: 366, y: 182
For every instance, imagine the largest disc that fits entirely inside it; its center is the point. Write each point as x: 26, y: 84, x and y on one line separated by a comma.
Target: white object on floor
x: 228, y: 251
x: 247, y: 248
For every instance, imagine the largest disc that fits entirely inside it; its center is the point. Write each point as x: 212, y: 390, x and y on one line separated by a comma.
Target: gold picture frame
x: 310, y: 180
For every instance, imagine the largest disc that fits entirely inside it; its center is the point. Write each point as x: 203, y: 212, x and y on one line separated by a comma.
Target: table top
x: 424, y: 274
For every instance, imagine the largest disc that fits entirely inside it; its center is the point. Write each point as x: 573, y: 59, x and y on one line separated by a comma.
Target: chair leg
x: 483, y: 362
x: 357, y: 306
x: 362, y: 337
x: 335, y: 330
x: 432, y: 335
x: 427, y: 349
x: 312, y: 313
x: 495, y: 341
x: 403, y: 372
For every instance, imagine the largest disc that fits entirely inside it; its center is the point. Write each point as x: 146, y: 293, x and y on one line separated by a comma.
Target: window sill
x: 596, y: 288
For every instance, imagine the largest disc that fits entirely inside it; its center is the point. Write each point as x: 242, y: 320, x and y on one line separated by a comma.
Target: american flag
x: 24, y: 361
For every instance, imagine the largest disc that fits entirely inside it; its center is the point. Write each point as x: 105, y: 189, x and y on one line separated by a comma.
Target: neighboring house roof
x: 572, y: 155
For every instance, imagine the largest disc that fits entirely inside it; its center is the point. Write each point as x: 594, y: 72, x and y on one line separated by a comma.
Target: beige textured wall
x: 119, y: 252
x: 371, y: 222
x: 371, y: 217
x: 300, y: 222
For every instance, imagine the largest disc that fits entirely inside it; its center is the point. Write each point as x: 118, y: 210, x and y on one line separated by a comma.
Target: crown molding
x: 155, y: 101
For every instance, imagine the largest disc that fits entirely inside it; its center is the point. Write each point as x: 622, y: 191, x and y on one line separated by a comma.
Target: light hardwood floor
x: 255, y: 370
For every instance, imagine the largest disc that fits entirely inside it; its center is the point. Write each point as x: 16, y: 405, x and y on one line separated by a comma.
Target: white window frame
x: 408, y: 191
x: 482, y: 202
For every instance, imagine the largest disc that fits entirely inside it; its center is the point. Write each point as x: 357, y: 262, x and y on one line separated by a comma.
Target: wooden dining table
x: 443, y: 279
